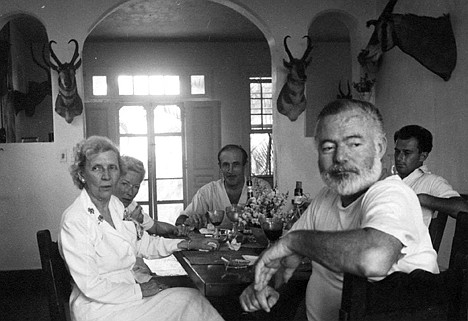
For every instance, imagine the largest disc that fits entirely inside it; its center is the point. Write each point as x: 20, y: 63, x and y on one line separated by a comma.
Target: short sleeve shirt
x: 389, y: 206
x: 421, y: 180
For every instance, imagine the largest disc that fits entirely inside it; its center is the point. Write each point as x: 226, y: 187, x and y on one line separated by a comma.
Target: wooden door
x: 203, y: 141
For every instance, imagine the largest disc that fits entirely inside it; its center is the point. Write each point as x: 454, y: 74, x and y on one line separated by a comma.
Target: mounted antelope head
x: 292, y: 100
x: 36, y: 91
x: 68, y: 103
x: 342, y: 95
x: 428, y: 40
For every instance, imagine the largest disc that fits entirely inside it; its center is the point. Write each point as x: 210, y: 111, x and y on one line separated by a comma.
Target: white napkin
x: 233, y: 245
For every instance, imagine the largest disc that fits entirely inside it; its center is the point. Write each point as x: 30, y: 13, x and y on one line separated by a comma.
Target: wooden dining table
x: 209, y: 273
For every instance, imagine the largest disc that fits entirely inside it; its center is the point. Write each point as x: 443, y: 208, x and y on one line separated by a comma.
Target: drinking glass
x: 234, y: 212
x: 273, y: 229
x: 216, y: 217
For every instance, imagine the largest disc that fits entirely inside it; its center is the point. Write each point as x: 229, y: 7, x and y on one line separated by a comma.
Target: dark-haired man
x: 359, y: 223
x: 217, y: 195
x: 413, y: 144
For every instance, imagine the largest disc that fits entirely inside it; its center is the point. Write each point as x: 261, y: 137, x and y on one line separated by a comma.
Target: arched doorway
x: 183, y: 39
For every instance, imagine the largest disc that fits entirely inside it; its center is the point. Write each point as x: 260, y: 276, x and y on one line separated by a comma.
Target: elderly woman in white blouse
x: 100, y: 250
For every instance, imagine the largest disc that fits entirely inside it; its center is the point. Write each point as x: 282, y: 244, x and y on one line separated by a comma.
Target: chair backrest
x: 436, y: 229
x: 56, y: 275
x: 419, y: 295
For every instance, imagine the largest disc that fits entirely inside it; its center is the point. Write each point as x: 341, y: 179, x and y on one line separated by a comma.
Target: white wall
x: 35, y: 187
x: 408, y: 93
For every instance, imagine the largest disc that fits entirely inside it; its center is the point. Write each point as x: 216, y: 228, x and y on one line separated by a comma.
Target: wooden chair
x: 419, y: 295
x: 56, y: 276
x: 436, y: 229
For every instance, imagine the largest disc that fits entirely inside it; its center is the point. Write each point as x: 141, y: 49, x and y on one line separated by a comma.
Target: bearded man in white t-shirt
x: 360, y: 223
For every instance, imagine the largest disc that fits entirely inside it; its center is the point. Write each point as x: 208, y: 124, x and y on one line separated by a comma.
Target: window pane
x: 171, y: 85
x: 267, y: 106
x: 169, y: 212
x: 143, y: 193
x: 267, y: 90
x: 99, y: 85
x: 156, y: 85
x: 136, y: 147
x: 132, y: 120
x: 140, y: 85
x: 125, y: 85
x: 256, y: 119
x: 168, y: 156
x: 254, y: 88
x: 197, y: 85
x: 267, y: 120
x: 255, y: 104
x: 170, y: 189
x: 261, y: 154
x: 167, y: 119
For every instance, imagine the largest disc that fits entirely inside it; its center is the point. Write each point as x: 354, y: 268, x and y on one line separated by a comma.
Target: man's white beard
x: 352, y: 180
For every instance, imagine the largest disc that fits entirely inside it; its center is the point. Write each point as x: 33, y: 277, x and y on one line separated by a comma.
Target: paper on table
x: 166, y: 266
x: 251, y: 258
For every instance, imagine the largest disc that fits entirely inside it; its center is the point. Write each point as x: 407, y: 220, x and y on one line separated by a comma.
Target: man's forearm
x: 366, y: 252
x: 451, y: 205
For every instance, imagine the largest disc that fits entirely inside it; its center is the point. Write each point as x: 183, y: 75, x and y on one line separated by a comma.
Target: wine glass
x: 216, y: 217
x: 273, y: 228
x: 233, y: 212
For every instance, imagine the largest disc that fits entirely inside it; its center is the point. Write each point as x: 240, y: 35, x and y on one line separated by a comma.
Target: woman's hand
x: 206, y: 244
x: 137, y: 215
x: 183, y: 230
x: 152, y: 287
x: 199, y: 243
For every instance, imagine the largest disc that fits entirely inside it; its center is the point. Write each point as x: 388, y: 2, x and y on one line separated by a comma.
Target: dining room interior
x: 183, y: 78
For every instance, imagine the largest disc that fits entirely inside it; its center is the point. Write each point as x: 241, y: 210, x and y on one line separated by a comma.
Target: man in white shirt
x: 413, y: 144
x: 217, y: 195
x: 360, y: 223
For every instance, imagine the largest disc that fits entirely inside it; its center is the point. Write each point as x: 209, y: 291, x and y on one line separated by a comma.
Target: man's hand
x: 288, y: 265
x: 252, y: 300
x: 152, y: 287
x: 270, y: 261
x: 197, y: 220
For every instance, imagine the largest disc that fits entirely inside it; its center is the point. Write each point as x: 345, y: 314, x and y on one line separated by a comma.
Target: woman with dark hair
x: 100, y: 249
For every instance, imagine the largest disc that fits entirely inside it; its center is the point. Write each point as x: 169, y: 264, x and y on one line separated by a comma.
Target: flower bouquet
x: 267, y: 203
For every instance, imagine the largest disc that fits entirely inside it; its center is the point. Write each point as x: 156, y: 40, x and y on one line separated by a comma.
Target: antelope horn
x: 52, y: 54
x: 291, y: 58
x: 389, y: 7
x: 339, y: 89
x: 75, y: 54
x: 309, y: 48
x: 37, y: 62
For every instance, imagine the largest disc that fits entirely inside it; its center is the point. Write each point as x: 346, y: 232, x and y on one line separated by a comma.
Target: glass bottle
x: 297, y: 202
x: 250, y: 193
